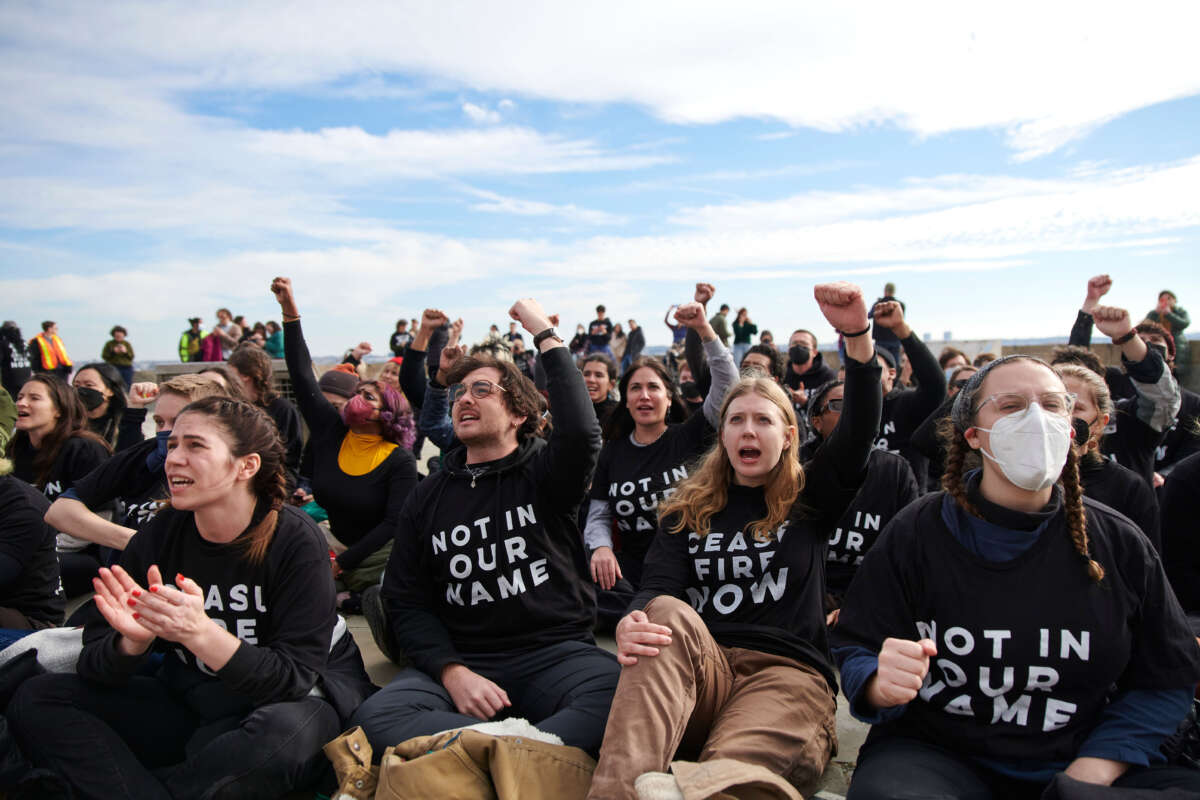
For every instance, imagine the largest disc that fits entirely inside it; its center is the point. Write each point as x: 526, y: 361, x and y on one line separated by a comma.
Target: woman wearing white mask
x: 1008, y: 632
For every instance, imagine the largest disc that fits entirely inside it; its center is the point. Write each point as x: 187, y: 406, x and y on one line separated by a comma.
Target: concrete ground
x: 851, y: 732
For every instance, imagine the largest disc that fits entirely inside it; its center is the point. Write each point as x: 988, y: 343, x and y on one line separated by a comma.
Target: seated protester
x: 806, y: 368
x: 1137, y: 427
x: 102, y: 391
x: 905, y: 409
x: 887, y: 485
x: 600, y: 376
x: 724, y: 648
x: 1103, y: 479
x: 52, y: 449
x: 252, y: 366
x: 1181, y: 543
x: 644, y: 456
x: 245, y: 619
x: 1008, y: 629
x: 1118, y: 382
x: 1183, y: 437
x: 414, y: 371
x: 132, y: 479
x: 361, y: 472
x: 484, y: 590
x: 927, y: 437
x: 31, y: 595
x: 337, y: 386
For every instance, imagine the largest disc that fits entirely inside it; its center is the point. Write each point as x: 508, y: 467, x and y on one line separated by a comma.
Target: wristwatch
x: 549, y: 333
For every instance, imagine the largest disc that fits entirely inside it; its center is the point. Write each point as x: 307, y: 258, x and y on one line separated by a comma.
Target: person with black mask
x: 905, y: 409
x: 1146, y: 396
x: 806, y: 367
x: 1103, y: 479
x: 102, y: 391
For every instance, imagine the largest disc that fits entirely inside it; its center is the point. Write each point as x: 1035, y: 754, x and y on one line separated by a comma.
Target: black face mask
x: 799, y: 354
x: 1083, y: 430
x: 92, y: 399
x: 1161, y: 349
x: 691, y: 392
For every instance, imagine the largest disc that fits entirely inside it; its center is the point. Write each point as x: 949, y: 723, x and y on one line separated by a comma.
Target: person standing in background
x: 119, y: 352
x: 189, y: 341
x: 743, y: 334
x: 720, y: 324
x: 635, y: 344
x: 228, y: 332
x: 1175, y: 319
x: 401, y: 338
x: 599, y: 333
x: 47, y: 352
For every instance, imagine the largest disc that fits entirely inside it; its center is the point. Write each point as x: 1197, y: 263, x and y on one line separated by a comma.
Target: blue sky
x: 159, y: 160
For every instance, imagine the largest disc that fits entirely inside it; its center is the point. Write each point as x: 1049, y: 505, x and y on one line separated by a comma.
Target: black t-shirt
x: 139, y: 491
x: 77, y: 457
x: 905, y: 409
x: 281, y: 609
x: 888, y: 486
x: 600, y: 331
x: 633, y: 478
x: 287, y: 420
x: 766, y: 593
x: 1027, y: 648
x: 1107, y: 482
x: 25, y: 538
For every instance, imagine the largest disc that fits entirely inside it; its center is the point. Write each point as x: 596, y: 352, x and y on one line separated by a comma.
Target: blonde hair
x: 1101, y: 398
x: 706, y: 491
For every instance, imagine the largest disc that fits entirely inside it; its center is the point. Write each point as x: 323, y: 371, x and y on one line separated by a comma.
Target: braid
x: 1076, y: 519
x: 956, y: 458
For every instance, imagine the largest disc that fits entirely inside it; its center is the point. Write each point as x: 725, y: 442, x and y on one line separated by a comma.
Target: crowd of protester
x: 995, y: 560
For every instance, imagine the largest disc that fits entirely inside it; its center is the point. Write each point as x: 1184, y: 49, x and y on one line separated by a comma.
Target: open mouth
x: 644, y: 407
x: 468, y: 416
x: 748, y: 455
x: 178, y: 483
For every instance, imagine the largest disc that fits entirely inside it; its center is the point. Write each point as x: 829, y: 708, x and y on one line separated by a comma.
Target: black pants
x: 138, y: 741
x: 564, y: 689
x: 899, y: 768
x: 78, y: 567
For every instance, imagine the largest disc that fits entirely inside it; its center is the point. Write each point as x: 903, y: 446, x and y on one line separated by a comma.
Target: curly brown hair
x: 253, y: 362
x: 521, y: 396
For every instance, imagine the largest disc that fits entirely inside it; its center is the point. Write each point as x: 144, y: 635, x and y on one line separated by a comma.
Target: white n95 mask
x: 1030, y: 447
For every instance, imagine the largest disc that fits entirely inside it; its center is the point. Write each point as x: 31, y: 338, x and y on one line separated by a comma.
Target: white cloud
x: 500, y: 204
x: 481, y: 115
x: 1043, y: 74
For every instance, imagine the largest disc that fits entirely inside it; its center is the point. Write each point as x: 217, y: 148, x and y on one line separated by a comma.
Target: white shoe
x: 657, y: 786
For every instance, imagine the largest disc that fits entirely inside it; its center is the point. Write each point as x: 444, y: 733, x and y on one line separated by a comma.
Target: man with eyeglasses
x: 484, y: 590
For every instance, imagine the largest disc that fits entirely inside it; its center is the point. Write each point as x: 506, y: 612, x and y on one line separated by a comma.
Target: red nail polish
x: 153, y: 588
x: 138, y: 592
x: 135, y: 615
x: 179, y: 577
x: 131, y: 602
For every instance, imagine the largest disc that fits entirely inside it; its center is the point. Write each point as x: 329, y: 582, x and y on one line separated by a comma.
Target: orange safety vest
x: 53, y: 352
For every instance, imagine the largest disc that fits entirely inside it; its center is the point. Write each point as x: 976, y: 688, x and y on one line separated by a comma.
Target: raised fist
x: 1112, y: 322
x: 843, y: 306
x: 1097, y: 287
x: 434, y: 318
x: 282, y: 289
x: 888, y: 314
x: 692, y: 315
x: 529, y: 313
x: 704, y: 293
x: 142, y: 394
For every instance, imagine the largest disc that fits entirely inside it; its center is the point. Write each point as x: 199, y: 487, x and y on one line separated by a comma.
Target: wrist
x: 450, y: 670
x: 1124, y: 337
x: 133, y: 647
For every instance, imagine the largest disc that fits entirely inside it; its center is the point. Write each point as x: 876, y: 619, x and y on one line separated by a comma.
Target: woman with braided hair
x: 1009, y: 633
x: 232, y: 586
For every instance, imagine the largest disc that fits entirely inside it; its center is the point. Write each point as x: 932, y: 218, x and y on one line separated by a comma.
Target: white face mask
x: 1030, y: 447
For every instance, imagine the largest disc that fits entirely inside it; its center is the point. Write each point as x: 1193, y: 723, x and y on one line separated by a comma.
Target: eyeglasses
x: 479, y: 390
x: 1057, y: 403
x: 833, y: 405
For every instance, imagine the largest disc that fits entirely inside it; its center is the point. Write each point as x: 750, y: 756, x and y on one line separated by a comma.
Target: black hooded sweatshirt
x: 488, y: 557
x: 905, y: 409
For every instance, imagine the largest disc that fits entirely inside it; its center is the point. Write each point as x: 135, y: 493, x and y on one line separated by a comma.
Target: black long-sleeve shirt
x: 768, y: 595
x: 488, y: 557
x: 363, y: 509
x: 905, y: 409
x: 282, y: 610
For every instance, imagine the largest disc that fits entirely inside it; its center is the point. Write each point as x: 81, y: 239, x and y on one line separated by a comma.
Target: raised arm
x: 569, y: 458
x: 1158, y: 395
x: 316, y: 410
x: 931, y: 381
x: 839, y: 464
x: 721, y: 371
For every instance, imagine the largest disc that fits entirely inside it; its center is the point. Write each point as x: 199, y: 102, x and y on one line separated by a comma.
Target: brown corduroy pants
x: 699, y: 700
